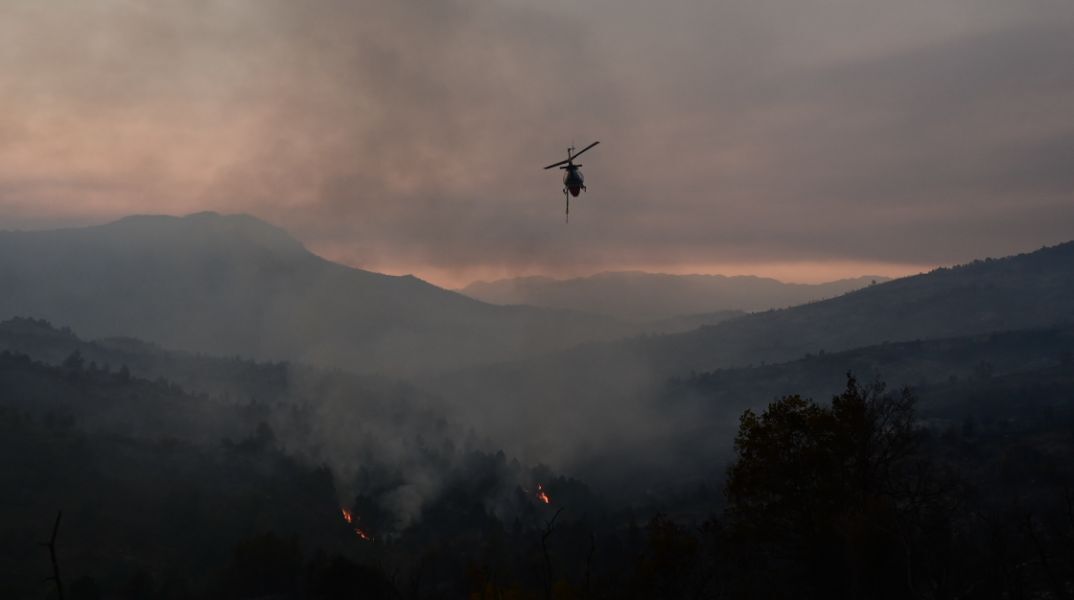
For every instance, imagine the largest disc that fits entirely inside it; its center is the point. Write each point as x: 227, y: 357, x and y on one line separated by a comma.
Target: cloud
x: 409, y: 136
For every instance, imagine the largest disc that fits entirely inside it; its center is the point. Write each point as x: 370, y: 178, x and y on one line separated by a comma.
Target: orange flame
x: 348, y: 516
x: 542, y: 495
x: 362, y: 534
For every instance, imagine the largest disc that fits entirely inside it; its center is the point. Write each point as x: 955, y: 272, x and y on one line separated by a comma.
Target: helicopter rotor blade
x: 579, y: 153
x: 562, y: 162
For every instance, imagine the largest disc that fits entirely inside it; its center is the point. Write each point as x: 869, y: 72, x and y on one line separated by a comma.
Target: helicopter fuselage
x: 573, y: 181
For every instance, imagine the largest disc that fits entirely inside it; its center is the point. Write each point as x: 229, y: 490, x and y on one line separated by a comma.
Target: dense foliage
x: 216, y: 487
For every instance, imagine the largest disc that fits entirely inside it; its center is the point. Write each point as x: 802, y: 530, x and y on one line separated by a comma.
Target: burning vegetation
x: 543, y: 495
x: 363, y: 534
x: 349, y: 517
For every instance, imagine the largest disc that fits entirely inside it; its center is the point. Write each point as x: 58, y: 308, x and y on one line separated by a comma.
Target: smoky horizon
x: 807, y: 141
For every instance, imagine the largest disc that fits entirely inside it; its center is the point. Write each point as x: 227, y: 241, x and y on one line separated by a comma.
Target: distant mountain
x: 930, y: 366
x: 637, y: 296
x: 576, y: 397
x: 1008, y: 380
x: 683, y: 323
x: 237, y: 285
x: 1019, y: 292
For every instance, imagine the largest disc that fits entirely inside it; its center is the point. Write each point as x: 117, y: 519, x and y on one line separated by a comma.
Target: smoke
x: 404, y: 136
x: 407, y: 136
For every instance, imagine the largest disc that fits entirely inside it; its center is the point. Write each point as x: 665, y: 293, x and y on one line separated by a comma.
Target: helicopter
x: 573, y: 182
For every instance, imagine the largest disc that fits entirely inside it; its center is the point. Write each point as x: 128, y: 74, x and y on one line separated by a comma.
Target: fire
x: 362, y: 534
x: 542, y: 495
x: 348, y: 516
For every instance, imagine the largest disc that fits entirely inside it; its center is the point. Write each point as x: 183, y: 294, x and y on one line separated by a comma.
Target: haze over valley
x: 214, y: 329
x: 637, y: 296
x: 290, y: 307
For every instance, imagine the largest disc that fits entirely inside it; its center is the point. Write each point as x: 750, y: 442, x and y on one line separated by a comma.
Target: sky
x: 801, y: 139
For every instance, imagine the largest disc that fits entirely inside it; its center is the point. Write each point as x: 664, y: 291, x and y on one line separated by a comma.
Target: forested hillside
x: 231, y: 284
x: 601, y: 471
x: 153, y: 507
x: 551, y: 396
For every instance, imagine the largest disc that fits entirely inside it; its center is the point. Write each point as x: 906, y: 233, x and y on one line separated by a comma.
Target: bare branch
x: 547, y: 559
x: 51, y: 544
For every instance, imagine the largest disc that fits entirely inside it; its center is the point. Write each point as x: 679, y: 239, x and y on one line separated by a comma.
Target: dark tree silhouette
x: 818, y: 495
x: 51, y: 544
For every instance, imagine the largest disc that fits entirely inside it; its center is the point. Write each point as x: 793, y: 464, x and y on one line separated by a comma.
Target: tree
x: 263, y: 565
x: 984, y: 370
x: 672, y: 565
x: 74, y: 362
x: 816, y: 494
x: 339, y: 577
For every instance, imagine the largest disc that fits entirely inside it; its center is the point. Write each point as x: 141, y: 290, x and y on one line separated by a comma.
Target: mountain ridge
x: 562, y: 391
x: 642, y: 296
x: 1021, y: 291
x: 235, y: 284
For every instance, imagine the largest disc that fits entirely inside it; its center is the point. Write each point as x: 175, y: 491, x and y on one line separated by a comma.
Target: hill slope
x: 236, y: 285
x: 637, y: 296
x: 592, y: 395
x: 1018, y: 292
